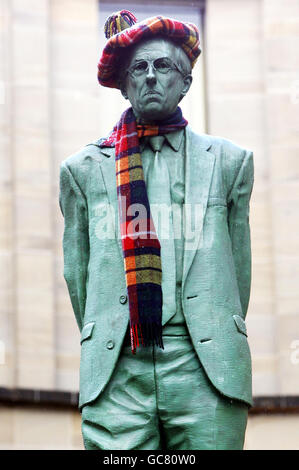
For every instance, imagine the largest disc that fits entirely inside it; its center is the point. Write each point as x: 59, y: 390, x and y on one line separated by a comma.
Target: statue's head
x: 150, y: 62
x: 154, y: 76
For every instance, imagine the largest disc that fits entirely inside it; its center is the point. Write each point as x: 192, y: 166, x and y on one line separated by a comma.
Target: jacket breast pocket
x: 240, y: 324
x: 87, y: 331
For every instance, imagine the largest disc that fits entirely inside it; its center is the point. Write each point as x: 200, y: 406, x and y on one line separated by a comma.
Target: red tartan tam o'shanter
x: 122, y: 30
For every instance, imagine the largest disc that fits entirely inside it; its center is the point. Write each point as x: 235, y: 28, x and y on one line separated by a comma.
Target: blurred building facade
x: 246, y: 88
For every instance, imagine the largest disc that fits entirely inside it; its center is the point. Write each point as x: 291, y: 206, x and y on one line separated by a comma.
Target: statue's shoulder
x: 228, y: 148
x: 217, y: 144
x: 230, y: 153
x: 77, y: 158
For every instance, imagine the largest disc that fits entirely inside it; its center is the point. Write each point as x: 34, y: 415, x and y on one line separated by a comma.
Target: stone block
x: 47, y: 429
x: 273, y: 432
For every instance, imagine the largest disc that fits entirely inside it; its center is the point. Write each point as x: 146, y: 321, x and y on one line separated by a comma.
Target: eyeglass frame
x: 174, y: 66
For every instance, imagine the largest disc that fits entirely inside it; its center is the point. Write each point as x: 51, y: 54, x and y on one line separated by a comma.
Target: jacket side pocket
x: 87, y: 331
x: 240, y: 323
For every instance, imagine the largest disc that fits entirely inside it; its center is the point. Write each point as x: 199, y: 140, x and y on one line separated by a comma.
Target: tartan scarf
x: 141, y: 249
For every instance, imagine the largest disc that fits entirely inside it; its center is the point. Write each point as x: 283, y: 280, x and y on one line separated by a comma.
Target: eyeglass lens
x: 162, y: 65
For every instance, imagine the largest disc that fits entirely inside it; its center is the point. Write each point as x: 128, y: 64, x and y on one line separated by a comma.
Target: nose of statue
x: 150, y: 76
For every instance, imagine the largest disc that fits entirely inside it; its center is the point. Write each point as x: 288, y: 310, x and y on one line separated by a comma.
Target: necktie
x: 158, y: 189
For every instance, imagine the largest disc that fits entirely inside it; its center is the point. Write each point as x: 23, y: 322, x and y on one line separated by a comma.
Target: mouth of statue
x: 152, y: 97
x: 152, y: 92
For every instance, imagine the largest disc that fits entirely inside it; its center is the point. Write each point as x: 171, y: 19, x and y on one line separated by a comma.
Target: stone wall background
x: 51, y: 105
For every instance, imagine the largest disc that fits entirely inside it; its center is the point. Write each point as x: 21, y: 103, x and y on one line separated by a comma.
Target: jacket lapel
x: 199, y: 164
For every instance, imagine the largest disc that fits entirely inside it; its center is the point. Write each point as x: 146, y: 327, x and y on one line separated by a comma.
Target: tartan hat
x: 122, y: 30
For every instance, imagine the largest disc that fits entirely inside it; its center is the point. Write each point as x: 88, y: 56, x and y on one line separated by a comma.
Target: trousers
x: 162, y: 399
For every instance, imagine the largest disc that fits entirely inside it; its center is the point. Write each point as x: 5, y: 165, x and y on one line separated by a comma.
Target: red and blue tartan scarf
x: 141, y: 249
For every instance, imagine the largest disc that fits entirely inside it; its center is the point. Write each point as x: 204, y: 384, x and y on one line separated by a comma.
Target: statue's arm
x: 75, y: 240
x: 239, y: 229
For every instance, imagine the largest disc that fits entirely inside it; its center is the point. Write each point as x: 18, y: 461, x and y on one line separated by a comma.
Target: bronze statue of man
x: 165, y: 362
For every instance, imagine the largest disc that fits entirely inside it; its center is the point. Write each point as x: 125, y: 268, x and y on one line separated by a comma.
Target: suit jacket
x: 216, y: 274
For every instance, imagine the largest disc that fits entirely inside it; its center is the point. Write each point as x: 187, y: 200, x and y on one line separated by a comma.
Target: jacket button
x: 110, y: 345
x: 123, y: 299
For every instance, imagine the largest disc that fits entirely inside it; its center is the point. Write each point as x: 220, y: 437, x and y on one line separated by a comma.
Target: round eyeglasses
x: 162, y: 65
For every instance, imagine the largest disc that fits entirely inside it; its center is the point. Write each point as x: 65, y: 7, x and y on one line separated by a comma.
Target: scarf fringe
x: 150, y: 334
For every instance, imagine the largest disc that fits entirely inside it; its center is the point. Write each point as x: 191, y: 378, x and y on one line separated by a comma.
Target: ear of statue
x: 187, y: 84
x: 123, y: 90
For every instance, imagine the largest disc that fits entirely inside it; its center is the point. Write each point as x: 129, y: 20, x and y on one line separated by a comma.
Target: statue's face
x: 154, y: 94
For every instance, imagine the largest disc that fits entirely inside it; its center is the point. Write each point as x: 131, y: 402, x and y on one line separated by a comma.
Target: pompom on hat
x: 122, y: 30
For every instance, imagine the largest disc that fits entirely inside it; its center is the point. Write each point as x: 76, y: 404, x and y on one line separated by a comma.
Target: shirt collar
x: 174, y: 139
